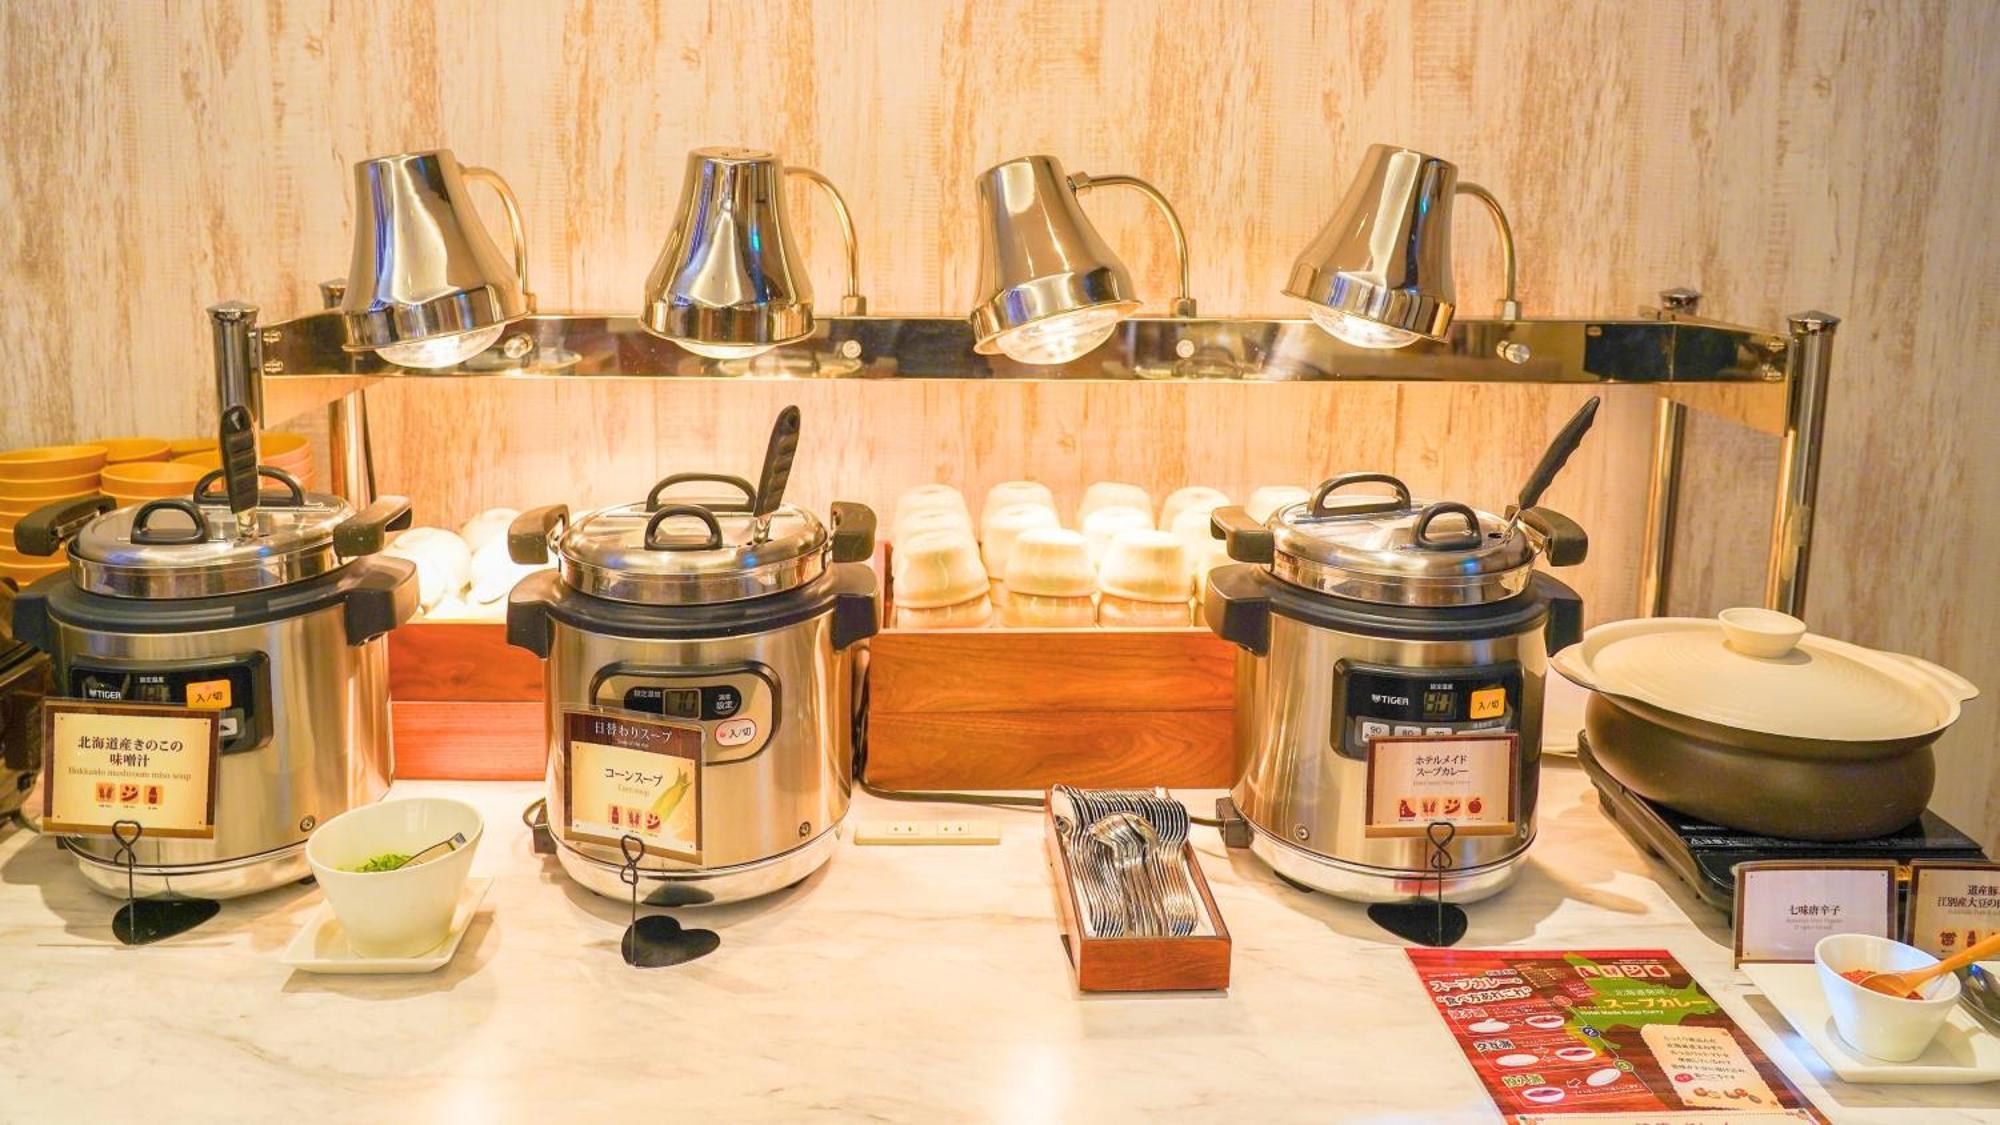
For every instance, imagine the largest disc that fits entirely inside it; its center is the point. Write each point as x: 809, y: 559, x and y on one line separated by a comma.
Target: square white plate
x: 321, y: 946
x: 1964, y: 1051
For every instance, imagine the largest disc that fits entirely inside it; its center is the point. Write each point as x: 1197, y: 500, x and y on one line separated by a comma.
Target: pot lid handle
x: 1420, y: 532
x: 295, y: 495
x: 1763, y: 633
x: 43, y: 531
x: 144, y: 534
x: 749, y: 491
x: 670, y: 511
x: 1317, y: 507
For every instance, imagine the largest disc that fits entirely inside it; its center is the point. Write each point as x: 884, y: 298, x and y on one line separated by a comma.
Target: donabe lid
x: 1392, y: 549
x: 694, y: 551
x: 1759, y: 670
x: 194, y: 548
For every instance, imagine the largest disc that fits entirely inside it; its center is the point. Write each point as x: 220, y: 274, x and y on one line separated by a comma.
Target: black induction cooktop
x: 1705, y: 855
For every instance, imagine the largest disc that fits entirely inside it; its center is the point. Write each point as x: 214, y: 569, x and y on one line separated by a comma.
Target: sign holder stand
x: 656, y: 940
x: 1435, y: 923
x: 143, y: 921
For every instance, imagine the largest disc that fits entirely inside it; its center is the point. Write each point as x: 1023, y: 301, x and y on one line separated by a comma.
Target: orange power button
x: 1489, y: 703
x: 211, y: 695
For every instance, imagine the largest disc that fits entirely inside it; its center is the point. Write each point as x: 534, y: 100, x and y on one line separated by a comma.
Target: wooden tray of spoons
x: 1196, y: 962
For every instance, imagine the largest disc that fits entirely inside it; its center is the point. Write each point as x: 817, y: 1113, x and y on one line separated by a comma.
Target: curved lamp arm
x: 515, y: 230
x: 853, y: 303
x: 1081, y: 182
x: 1510, y: 306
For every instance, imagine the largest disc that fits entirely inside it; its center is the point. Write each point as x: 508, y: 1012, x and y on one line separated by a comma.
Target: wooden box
x: 1135, y: 964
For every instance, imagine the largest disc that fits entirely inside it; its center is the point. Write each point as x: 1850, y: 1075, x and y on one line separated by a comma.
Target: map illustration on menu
x: 1620, y: 1035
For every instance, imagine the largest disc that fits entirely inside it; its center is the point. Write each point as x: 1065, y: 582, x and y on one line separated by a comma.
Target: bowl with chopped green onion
x: 392, y: 888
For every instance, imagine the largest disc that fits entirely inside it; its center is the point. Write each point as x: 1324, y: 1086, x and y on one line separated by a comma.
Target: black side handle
x: 1565, y: 624
x: 528, y: 612
x: 1420, y: 532
x: 1245, y: 539
x: 1564, y: 541
x: 1236, y: 608
x: 749, y: 490
x: 853, y: 532
x: 365, y: 532
x: 145, y: 534
x: 1328, y: 488
x: 30, y: 617
x: 383, y: 597
x: 666, y: 512
x: 857, y: 610
x: 528, y: 535
x: 43, y: 531
x: 294, y: 495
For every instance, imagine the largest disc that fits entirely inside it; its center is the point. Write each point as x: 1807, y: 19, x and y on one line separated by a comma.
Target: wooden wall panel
x: 1777, y: 156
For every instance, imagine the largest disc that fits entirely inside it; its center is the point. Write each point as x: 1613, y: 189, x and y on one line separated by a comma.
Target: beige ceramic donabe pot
x: 1751, y: 722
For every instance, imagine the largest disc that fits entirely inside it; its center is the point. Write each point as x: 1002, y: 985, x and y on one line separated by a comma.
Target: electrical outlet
x: 927, y: 832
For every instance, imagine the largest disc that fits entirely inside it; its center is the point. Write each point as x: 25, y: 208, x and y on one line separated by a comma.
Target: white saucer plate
x: 1964, y: 1052
x: 321, y: 946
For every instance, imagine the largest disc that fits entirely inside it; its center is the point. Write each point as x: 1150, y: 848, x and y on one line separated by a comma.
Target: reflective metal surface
x: 238, y: 357
x: 1811, y: 360
x: 755, y: 809
x: 711, y: 886
x: 606, y: 554
x: 1365, y: 546
x: 1596, y: 350
x: 1292, y: 784
x: 290, y: 543
x: 329, y: 751
x: 424, y: 266
x: 1385, y: 255
x: 1039, y: 254
x: 729, y: 279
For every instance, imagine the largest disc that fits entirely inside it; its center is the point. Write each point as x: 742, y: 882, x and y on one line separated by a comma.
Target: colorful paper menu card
x: 1621, y: 1035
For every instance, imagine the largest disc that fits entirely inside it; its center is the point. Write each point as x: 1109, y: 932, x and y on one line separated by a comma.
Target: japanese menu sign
x: 633, y: 775
x: 1620, y: 1035
x: 109, y: 762
x: 1952, y: 905
x: 1784, y: 907
x: 1467, y: 781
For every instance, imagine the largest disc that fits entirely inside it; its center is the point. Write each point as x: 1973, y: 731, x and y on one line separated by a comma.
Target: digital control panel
x: 736, y: 707
x: 238, y: 688
x: 1374, y: 702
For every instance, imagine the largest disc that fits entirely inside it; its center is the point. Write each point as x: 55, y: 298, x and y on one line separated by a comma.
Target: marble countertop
x: 903, y: 984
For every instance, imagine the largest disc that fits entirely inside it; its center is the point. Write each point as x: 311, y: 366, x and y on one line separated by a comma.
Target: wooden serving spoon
x: 1905, y: 985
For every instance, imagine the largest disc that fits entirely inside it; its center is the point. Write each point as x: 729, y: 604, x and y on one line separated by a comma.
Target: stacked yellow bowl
x: 136, y: 482
x: 33, y: 478
x: 287, y: 451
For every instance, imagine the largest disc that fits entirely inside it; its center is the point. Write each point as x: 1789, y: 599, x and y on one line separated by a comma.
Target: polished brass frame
x: 1687, y: 360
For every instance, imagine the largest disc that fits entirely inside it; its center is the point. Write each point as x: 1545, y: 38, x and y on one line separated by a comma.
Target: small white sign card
x: 1952, y: 905
x: 1783, y: 907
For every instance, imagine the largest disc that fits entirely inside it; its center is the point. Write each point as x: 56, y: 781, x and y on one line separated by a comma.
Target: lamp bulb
x: 722, y: 351
x: 442, y: 351
x: 1059, y: 339
x: 1360, y: 332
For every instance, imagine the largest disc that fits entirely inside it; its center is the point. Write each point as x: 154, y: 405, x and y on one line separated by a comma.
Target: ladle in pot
x: 1553, y: 459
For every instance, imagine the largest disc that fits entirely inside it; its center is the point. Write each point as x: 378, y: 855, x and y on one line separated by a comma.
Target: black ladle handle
x: 1557, y: 455
x: 239, y: 460
x: 777, y: 471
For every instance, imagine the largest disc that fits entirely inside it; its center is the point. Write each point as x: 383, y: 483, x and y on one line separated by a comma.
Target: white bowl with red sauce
x: 1890, y: 1028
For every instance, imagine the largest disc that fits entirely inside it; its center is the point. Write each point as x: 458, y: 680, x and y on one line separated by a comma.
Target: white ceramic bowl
x: 930, y: 497
x: 443, y: 562
x: 394, y: 913
x: 926, y: 521
x: 1271, y: 497
x: 1002, y: 526
x: 938, y: 568
x: 1011, y: 492
x: 485, y: 527
x: 1039, y: 611
x: 1886, y: 1027
x: 1050, y: 562
x: 494, y: 573
x: 1129, y: 613
x: 1105, y: 524
x: 1143, y: 565
x: 1204, y: 551
x: 974, y: 614
x: 1114, y: 494
x: 1187, y: 499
